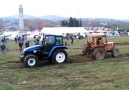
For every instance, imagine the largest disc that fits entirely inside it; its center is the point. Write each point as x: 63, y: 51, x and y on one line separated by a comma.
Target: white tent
x: 63, y: 30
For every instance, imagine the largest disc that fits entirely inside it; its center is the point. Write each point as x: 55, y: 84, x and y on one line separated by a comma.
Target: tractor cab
x: 95, y: 40
x: 50, y: 41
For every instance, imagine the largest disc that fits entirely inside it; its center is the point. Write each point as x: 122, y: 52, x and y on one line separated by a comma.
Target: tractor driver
x: 98, y: 40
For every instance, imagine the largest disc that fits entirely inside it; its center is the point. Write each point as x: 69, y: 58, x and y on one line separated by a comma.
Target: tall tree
x: 71, y: 22
x: 64, y: 23
x: 80, y: 23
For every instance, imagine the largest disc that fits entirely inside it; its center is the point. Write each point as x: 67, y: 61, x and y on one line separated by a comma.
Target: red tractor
x: 97, y: 46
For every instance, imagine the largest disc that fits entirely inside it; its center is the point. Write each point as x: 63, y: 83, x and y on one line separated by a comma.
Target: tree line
x: 72, y: 22
x: 32, y: 24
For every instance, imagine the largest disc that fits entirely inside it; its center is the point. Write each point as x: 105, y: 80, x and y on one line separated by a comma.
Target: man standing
x: 3, y: 47
x: 15, y: 39
x: 27, y: 43
x: 20, y: 45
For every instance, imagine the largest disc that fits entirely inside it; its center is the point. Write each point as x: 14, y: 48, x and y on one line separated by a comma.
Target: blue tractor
x: 52, y: 49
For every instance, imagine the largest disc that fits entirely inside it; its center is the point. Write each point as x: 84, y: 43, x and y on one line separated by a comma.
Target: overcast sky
x: 117, y: 9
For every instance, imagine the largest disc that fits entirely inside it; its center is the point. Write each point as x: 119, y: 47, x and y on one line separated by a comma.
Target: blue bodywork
x: 30, y: 49
x: 39, y: 47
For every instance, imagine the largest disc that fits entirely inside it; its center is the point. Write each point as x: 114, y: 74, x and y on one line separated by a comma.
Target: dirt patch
x: 124, y: 55
x: 77, y: 48
x: 11, y: 64
x: 79, y: 58
x: 72, y: 59
x: 83, y: 58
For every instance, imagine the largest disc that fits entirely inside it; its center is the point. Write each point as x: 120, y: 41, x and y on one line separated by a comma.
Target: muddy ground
x: 83, y: 58
x: 79, y: 58
x: 72, y: 59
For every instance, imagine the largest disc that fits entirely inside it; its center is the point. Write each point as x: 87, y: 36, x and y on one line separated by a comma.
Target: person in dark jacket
x: 3, y: 47
x: 20, y: 45
x: 15, y: 39
x: 3, y: 40
x: 72, y: 38
x: 27, y: 43
x: 37, y: 42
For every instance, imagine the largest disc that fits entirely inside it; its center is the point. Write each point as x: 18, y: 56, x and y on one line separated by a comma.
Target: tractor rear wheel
x: 115, y: 52
x: 98, y: 53
x: 59, y: 56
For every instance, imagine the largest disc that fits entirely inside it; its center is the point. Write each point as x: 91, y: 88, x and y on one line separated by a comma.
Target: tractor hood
x: 32, y: 48
x: 110, y: 42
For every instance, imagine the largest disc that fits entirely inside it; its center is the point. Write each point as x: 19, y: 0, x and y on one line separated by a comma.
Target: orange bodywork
x: 108, y: 46
x: 96, y: 35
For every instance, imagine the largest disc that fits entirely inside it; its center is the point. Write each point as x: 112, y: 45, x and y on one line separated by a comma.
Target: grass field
x: 108, y: 74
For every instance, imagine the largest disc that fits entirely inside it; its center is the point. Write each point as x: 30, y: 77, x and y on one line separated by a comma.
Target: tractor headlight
x: 34, y: 51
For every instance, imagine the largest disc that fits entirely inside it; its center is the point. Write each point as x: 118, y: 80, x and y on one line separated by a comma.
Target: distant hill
x: 57, y: 18
x: 48, y: 17
x: 53, y: 17
x: 16, y: 17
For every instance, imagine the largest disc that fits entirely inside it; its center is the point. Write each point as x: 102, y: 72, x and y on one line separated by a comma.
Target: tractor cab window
x: 104, y: 39
x: 90, y: 39
x: 59, y: 41
x: 99, y: 40
x: 49, y: 40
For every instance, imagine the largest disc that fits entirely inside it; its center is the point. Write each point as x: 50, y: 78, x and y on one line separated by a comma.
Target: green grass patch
x: 108, y: 74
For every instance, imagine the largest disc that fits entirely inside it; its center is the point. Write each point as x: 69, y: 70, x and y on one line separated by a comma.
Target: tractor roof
x: 96, y: 35
x: 53, y: 35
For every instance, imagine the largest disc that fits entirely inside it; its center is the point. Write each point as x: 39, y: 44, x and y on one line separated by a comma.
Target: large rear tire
x: 115, y: 52
x: 31, y: 61
x: 59, y: 56
x: 98, y: 53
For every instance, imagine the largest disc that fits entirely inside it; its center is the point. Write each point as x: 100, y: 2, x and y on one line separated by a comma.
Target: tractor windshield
x: 53, y: 40
x: 104, y: 39
x: 89, y: 39
x: 49, y: 40
x: 100, y: 40
x: 96, y: 40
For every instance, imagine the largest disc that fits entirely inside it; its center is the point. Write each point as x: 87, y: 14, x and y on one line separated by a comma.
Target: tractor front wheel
x: 98, y: 53
x: 84, y: 50
x: 31, y: 61
x: 115, y: 52
x: 59, y: 56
